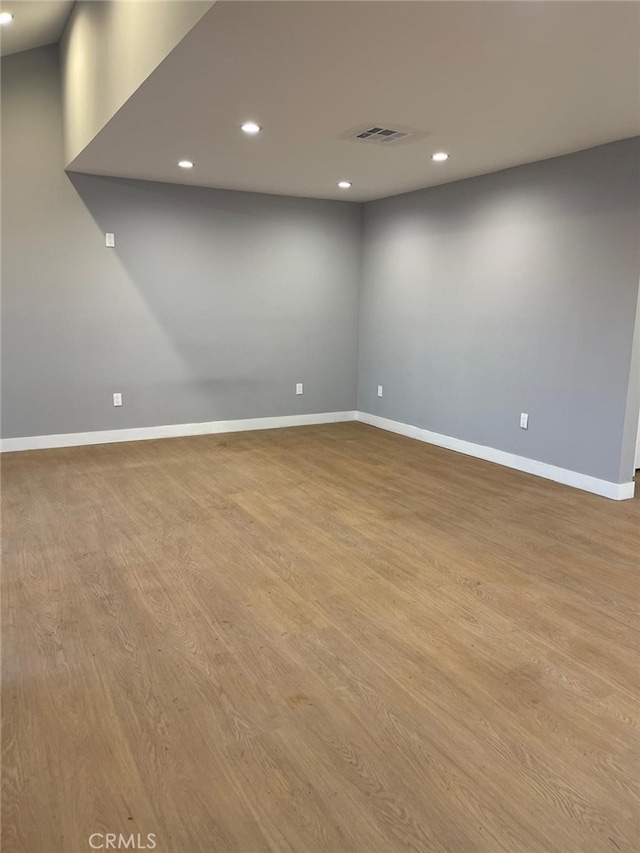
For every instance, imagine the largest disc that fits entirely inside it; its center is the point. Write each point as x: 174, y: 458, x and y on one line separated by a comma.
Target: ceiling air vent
x: 381, y: 135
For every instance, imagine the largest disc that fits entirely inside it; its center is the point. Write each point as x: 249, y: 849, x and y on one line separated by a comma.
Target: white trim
x: 616, y: 491
x: 110, y: 436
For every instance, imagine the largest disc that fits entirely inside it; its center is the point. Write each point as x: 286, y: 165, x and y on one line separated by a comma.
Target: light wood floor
x: 322, y: 639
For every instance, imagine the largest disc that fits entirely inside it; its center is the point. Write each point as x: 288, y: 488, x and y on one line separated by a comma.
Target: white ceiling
x: 35, y: 23
x: 494, y: 83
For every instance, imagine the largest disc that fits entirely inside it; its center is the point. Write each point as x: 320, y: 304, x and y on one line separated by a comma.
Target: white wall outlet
x: 110, y: 240
x: 117, y: 399
x: 524, y: 420
x: 379, y: 390
x: 299, y: 388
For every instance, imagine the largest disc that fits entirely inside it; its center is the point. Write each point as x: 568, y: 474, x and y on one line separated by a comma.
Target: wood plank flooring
x: 317, y: 639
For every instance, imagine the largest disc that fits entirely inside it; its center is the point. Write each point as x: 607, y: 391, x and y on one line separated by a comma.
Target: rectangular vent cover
x: 381, y: 135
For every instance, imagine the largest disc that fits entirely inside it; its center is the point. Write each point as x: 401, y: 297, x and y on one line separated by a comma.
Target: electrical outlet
x: 110, y: 240
x: 117, y: 399
x: 299, y: 388
x: 524, y: 420
x: 379, y: 390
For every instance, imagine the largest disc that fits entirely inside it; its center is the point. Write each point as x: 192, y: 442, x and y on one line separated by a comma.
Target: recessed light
x: 344, y: 185
x: 185, y: 164
x: 5, y: 18
x: 440, y: 156
x: 251, y: 128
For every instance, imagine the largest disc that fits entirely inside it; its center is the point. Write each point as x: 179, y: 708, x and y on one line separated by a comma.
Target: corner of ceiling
x: 107, y: 51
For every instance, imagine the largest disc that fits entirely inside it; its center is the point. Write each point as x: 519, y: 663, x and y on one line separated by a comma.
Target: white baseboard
x: 616, y: 491
x: 110, y: 436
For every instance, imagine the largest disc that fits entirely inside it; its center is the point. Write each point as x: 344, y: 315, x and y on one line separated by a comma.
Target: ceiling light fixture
x: 251, y: 128
x: 344, y: 185
x: 5, y: 18
x: 440, y: 156
x: 185, y: 164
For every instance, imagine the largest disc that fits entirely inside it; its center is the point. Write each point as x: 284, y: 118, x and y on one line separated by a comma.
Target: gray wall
x: 507, y: 293
x: 212, y: 305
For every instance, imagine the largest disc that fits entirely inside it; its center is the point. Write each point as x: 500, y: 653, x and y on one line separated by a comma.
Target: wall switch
x: 379, y: 390
x: 117, y: 399
x: 110, y: 240
x: 524, y: 420
x: 299, y: 388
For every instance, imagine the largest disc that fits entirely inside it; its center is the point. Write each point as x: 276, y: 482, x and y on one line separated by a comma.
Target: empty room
x: 320, y: 396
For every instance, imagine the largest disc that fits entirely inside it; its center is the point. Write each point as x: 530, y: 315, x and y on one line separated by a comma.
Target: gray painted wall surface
x: 507, y: 293
x: 212, y: 305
